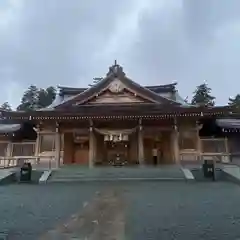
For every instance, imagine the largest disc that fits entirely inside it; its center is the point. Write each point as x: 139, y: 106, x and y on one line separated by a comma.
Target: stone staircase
x: 81, y: 174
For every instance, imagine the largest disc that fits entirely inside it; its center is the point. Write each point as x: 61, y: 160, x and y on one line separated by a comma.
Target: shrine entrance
x: 116, y: 147
x: 117, y: 153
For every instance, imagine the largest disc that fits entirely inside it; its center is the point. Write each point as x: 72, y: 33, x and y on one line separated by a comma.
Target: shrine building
x: 117, y: 121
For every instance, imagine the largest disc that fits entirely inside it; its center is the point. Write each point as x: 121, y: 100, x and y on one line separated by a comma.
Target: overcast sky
x: 68, y: 42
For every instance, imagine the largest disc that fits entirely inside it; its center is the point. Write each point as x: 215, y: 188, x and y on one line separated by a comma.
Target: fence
x: 15, y: 154
x: 210, y: 149
x: 215, y: 149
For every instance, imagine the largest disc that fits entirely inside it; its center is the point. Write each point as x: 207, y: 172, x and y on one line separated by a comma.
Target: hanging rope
x: 115, y: 131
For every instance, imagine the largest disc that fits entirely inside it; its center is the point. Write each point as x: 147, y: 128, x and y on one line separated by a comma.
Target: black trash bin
x: 208, y: 169
x: 26, y: 173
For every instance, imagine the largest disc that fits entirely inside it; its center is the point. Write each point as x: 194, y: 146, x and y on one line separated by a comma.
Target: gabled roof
x: 166, y: 88
x: 116, y: 72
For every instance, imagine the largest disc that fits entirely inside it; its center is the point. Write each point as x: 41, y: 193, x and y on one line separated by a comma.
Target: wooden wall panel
x: 148, y: 146
x: 68, y: 148
x: 81, y: 155
x: 133, y: 149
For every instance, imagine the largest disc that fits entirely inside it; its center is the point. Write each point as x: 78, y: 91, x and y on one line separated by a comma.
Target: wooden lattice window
x: 23, y: 149
x: 213, y: 145
x: 187, y: 140
x: 47, y: 142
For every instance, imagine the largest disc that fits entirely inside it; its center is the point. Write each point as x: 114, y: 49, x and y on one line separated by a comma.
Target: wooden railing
x: 15, y: 154
x: 26, y: 149
x: 188, y: 154
x: 210, y: 149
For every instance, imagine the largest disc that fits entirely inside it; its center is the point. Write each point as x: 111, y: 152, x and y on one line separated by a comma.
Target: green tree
x: 6, y: 107
x: 29, y: 99
x: 35, y: 98
x: 46, y: 96
x: 235, y: 102
x: 202, y: 96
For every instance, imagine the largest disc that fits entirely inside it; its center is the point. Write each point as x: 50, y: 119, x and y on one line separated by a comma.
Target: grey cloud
x: 203, y: 17
x: 58, y: 39
x: 190, y: 44
x: 67, y: 41
x: 55, y: 41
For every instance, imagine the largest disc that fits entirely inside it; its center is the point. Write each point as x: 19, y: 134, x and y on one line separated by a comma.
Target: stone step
x: 62, y: 180
x: 116, y: 174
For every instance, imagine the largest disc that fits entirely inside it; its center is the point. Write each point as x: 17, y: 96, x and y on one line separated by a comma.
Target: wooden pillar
x: 9, y: 151
x: 198, y: 142
x: 37, y: 145
x: 226, y: 157
x: 91, y: 148
x: 140, y: 144
x: 57, y: 146
x: 175, y: 143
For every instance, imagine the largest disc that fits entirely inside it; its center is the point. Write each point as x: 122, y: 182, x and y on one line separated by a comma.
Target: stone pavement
x: 78, y: 173
x: 121, y: 210
x: 102, y: 218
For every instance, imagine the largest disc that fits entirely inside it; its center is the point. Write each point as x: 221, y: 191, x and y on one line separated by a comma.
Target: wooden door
x: 81, y: 153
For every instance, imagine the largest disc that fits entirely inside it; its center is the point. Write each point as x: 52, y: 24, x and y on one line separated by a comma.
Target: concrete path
x: 102, y: 218
x: 45, y: 176
x: 188, y: 174
x: 5, y: 173
x: 232, y: 170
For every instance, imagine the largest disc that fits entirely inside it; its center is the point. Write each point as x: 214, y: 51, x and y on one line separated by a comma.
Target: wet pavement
x: 126, y: 210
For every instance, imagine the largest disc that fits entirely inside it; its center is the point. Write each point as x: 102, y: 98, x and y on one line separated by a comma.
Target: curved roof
x: 155, y: 88
x: 9, y: 128
x: 116, y: 71
x: 228, y: 123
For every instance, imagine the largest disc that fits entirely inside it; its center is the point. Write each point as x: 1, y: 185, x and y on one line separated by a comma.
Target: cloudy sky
x: 68, y: 42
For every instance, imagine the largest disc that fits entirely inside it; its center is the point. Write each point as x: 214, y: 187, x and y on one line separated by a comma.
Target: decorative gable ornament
x: 116, y: 86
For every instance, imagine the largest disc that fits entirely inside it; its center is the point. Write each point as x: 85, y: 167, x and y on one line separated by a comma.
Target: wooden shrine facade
x: 117, y: 120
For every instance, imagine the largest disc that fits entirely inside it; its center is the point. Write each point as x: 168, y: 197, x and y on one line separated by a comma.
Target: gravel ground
x: 183, y: 211
x: 27, y: 211
x: 152, y: 210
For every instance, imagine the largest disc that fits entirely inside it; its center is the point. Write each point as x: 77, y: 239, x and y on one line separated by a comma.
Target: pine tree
x: 34, y: 98
x: 5, y: 107
x: 202, y: 96
x: 29, y: 99
x: 235, y: 102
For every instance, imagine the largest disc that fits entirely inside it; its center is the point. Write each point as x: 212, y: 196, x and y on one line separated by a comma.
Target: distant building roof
x: 8, y: 128
x: 228, y: 123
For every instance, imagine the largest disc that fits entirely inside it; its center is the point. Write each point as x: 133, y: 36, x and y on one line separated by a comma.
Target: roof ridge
x: 146, y: 86
x: 152, y: 92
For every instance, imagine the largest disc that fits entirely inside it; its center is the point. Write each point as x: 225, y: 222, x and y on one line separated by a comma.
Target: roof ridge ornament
x: 116, y: 70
